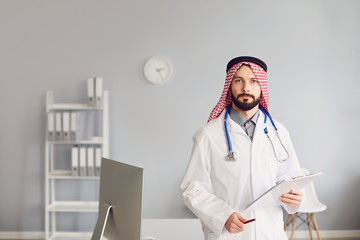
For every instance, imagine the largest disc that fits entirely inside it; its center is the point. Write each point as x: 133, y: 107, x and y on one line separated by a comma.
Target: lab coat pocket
x: 214, y: 236
x: 231, y: 236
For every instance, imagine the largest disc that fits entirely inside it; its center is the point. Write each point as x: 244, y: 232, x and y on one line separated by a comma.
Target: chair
x: 309, y: 206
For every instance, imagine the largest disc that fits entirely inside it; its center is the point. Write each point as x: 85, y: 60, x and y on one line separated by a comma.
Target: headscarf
x: 234, y: 65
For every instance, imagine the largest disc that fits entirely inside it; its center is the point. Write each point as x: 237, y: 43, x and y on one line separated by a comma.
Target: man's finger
x: 297, y: 192
x: 234, y: 230
x: 235, y: 226
x: 241, y: 219
x: 290, y: 202
x: 240, y: 223
x: 292, y: 196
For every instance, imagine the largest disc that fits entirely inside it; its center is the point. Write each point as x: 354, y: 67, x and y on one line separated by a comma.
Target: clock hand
x: 161, y: 76
x: 159, y: 69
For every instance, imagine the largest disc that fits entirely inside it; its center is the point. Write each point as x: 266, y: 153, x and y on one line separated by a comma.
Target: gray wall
x: 311, y: 48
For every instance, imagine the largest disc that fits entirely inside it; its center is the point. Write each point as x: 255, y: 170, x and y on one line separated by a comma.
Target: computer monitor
x: 120, y: 201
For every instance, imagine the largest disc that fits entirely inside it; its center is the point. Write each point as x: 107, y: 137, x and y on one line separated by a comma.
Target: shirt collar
x: 240, y: 119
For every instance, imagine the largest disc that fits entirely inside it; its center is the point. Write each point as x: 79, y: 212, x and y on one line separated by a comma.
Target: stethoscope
x: 280, y: 157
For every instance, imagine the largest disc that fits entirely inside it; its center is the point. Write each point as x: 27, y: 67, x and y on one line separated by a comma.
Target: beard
x: 246, y: 105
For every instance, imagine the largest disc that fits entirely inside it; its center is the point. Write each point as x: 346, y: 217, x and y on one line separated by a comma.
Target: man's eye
x: 254, y: 80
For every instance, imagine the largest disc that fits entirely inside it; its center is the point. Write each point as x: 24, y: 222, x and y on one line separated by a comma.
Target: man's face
x: 245, y: 89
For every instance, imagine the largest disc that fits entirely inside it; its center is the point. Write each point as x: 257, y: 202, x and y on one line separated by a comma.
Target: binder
x: 98, y: 91
x: 51, y: 123
x: 66, y: 126
x: 73, y: 126
x: 58, y: 136
x: 82, y: 161
x: 90, y: 161
x: 271, y: 197
x: 75, y: 161
x: 91, y: 91
x: 97, y: 161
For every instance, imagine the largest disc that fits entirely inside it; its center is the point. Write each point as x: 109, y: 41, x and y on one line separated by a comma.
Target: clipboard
x: 270, y: 198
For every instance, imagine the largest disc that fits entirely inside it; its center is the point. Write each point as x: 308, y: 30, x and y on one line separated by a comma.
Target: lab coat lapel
x: 258, y: 136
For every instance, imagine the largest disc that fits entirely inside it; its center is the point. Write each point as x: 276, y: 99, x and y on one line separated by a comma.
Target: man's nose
x: 245, y: 87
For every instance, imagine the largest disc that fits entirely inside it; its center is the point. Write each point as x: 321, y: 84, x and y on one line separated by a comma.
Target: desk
x: 172, y: 229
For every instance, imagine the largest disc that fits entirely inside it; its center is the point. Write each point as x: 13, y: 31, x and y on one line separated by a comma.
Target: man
x: 224, y: 176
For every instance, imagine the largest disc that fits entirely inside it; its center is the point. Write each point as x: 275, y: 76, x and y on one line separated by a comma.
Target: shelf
x: 73, y: 106
x: 74, y: 206
x: 85, y: 142
x: 64, y: 174
x: 71, y: 236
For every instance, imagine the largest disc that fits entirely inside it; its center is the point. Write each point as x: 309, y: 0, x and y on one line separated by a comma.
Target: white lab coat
x: 213, y: 187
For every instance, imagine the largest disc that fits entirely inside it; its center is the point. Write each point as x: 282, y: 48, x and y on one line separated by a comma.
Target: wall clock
x: 157, y: 70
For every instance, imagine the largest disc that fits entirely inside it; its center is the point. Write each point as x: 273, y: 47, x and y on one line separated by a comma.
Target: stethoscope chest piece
x: 231, y: 156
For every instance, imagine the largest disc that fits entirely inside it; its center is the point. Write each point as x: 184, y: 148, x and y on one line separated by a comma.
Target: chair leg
x: 294, y: 226
x: 309, y: 224
x: 287, y: 222
x: 316, y: 226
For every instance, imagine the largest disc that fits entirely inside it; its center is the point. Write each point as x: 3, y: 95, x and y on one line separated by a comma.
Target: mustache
x: 244, y: 95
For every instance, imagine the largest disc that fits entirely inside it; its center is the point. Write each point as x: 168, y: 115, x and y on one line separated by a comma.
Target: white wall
x: 311, y: 49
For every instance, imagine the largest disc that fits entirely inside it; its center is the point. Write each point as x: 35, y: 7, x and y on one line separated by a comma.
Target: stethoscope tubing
x: 226, y: 129
x: 231, y: 154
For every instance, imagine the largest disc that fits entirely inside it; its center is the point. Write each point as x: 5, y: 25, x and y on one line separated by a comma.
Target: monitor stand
x: 104, y: 211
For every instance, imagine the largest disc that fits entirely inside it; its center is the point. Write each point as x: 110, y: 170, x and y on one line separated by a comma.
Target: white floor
x: 200, y: 239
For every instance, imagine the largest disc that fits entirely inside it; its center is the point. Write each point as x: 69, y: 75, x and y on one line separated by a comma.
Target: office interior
x: 311, y: 49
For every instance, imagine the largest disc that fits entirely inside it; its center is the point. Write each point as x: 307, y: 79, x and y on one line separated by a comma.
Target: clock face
x: 157, y: 70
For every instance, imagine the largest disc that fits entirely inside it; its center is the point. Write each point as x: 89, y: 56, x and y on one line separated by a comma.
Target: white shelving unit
x: 52, y: 205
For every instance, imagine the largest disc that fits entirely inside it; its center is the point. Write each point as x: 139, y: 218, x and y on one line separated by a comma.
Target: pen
x: 249, y: 221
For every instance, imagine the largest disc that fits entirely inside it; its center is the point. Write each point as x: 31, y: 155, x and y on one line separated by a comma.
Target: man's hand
x: 293, y: 198
x: 235, y: 224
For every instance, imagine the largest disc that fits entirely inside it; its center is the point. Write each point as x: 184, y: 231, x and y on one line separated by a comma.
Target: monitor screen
x: 120, y: 201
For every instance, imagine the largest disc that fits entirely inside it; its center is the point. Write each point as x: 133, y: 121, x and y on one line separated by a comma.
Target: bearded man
x: 237, y: 156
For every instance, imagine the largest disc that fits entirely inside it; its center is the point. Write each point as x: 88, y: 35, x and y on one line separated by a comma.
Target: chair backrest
x: 309, y: 189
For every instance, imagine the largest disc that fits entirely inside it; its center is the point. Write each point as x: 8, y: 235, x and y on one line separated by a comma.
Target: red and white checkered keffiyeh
x: 225, y: 99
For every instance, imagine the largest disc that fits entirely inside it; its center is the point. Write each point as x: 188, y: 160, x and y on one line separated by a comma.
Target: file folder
x: 51, y: 129
x: 91, y: 91
x: 271, y: 197
x: 75, y: 161
x: 82, y: 161
x: 58, y: 136
x: 90, y: 161
x: 97, y: 161
x: 73, y: 126
x: 66, y: 126
x: 98, y: 91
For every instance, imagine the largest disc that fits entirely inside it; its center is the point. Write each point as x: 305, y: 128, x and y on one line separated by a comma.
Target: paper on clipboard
x: 271, y: 197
